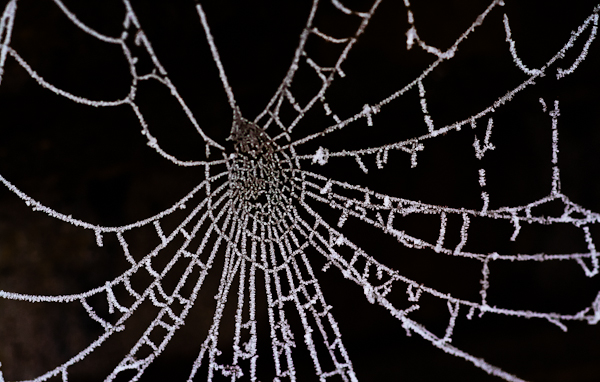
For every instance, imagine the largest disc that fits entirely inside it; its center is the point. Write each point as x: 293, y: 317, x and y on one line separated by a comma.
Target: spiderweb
x: 270, y: 215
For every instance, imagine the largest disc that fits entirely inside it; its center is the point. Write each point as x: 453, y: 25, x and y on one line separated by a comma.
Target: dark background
x: 93, y: 163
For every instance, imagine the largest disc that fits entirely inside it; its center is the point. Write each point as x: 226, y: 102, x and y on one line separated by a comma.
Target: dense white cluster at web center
x: 259, y: 173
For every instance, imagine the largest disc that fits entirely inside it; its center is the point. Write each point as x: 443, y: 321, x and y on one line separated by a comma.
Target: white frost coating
x: 423, y: 101
x: 593, y: 320
x: 555, y: 114
x: 543, y: 103
x: 99, y: 240
x: 329, y: 38
x: 482, y: 177
x: 368, y: 112
x: 411, y: 35
x: 560, y: 73
x: 439, y: 245
x: 321, y: 156
x: 487, y: 145
x: 453, y: 308
x: 273, y: 240
x: 361, y: 164
x: 513, y: 52
x: 131, y: 26
x: 6, y: 27
x: 485, y: 283
x: 217, y: 59
x: 517, y: 225
x: 486, y: 202
x: 463, y: 234
x: 386, y: 202
x: 84, y: 27
x: 592, y: 248
x: 61, y: 92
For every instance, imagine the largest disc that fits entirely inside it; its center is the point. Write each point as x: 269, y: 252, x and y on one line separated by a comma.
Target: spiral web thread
x: 255, y: 208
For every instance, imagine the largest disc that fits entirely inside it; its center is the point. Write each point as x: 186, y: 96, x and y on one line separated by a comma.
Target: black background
x: 93, y: 163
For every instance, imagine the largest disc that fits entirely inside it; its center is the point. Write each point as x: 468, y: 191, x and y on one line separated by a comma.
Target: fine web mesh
x: 307, y: 191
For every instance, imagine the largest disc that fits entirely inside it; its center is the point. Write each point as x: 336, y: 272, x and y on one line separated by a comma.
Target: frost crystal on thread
x: 261, y: 215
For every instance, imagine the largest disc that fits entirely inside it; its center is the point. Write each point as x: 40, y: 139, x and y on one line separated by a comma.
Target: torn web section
x: 485, y: 87
x: 368, y: 67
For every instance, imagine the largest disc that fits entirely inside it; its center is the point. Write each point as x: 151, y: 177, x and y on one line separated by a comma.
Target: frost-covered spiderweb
x: 271, y: 215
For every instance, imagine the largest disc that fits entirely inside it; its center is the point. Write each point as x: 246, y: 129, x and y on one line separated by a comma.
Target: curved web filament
x: 269, y: 214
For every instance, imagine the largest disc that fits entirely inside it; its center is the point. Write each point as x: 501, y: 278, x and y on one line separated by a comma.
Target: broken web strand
x: 358, y: 208
x: 368, y: 110
x: 412, y: 36
x: 413, y: 145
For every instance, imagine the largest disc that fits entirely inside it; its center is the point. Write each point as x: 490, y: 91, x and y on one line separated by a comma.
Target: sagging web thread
x: 256, y: 208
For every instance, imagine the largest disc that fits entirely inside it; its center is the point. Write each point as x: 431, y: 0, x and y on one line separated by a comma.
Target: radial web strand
x: 416, y: 171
